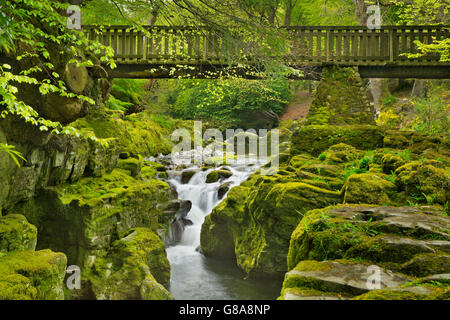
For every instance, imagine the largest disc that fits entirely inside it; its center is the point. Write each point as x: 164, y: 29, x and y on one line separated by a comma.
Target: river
x: 196, y: 277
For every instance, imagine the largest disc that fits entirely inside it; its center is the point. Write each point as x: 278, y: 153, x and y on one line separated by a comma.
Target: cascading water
x: 194, y: 276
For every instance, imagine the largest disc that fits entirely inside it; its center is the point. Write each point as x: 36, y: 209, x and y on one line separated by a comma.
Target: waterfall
x: 193, y: 275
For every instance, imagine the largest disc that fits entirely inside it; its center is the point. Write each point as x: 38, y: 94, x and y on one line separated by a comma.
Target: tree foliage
x: 28, y: 29
x: 229, y: 100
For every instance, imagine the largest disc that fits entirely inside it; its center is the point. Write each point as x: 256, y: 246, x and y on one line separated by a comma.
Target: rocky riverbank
x: 346, y: 197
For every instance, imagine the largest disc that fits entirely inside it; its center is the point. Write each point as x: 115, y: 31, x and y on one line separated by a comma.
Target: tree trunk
x: 152, y: 22
x: 420, y: 88
x: 288, y: 13
x: 378, y: 87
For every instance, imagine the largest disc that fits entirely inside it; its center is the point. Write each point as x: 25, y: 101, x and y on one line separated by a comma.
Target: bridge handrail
x: 314, y: 45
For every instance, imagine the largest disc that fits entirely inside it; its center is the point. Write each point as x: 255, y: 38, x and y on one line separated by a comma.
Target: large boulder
x: 134, y: 268
x: 32, y: 275
x: 84, y: 219
x: 255, y: 223
x: 370, y: 232
x: 429, y: 179
x: 334, y: 279
x: 369, y: 188
x: 335, y: 251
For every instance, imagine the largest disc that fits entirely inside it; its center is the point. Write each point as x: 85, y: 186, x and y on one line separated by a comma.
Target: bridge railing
x: 308, y: 45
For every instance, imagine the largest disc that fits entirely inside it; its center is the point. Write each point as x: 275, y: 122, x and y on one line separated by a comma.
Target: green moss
x: 214, y: 176
x: 133, y: 268
x: 368, y: 188
x: 386, y: 294
x: 427, y: 264
x: 341, y: 153
x: 131, y: 164
x: 136, y: 133
x: 340, y: 99
x: 16, y: 234
x: 424, y: 180
x: 32, y: 275
x: 316, y: 139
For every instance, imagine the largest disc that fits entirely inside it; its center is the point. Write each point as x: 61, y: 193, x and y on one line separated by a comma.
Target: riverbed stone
x: 216, y: 175
x: 187, y: 175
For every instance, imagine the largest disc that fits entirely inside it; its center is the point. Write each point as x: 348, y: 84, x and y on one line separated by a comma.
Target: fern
x: 14, y: 154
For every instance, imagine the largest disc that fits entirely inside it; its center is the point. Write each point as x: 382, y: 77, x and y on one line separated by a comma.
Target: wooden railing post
x: 391, y: 45
x: 327, y: 46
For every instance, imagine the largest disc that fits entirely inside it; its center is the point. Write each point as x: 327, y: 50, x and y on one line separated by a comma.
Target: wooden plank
x: 123, y: 50
x: 346, y: 43
x: 140, y: 45
x: 338, y: 51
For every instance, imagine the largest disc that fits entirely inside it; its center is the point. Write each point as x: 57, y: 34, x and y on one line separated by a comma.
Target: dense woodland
x: 86, y: 177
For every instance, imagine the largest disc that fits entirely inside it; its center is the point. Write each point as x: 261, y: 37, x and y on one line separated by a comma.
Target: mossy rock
x: 427, y: 264
x: 380, y: 234
x: 157, y: 166
x: 136, y: 134
x: 391, y: 294
x: 134, y: 268
x: 316, y: 139
x: 340, y: 99
x: 391, y: 162
x: 187, y: 175
x: 300, y: 160
x: 16, y: 234
x: 84, y: 218
x: 424, y: 179
x: 32, y: 275
x: 132, y: 165
x: 341, y: 153
x: 368, y: 188
x: 255, y: 222
x: 343, y: 277
x: 216, y: 175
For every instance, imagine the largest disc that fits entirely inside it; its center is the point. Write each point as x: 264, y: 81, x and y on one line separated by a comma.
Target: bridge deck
x: 309, y: 46
x: 313, y: 45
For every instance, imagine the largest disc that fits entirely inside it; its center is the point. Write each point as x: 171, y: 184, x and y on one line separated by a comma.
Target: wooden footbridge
x: 171, y: 52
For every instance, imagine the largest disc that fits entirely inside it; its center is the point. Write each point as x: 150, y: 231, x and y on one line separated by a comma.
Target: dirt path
x: 299, y: 106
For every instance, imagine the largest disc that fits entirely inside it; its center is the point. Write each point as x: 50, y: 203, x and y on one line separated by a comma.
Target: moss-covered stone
x: 424, y: 179
x: 132, y: 165
x: 340, y: 99
x: 85, y: 218
x: 315, y: 139
x: 370, y: 188
x: 137, y: 133
x: 215, y: 175
x: 255, y: 222
x: 427, y: 264
x: 16, y: 234
x: 343, y: 277
x: 341, y: 153
x: 30, y: 275
x: 391, y: 162
x: 133, y: 268
x: 387, y: 294
x: 371, y: 233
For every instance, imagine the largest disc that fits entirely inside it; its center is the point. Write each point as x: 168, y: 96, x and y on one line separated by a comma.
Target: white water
x: 195, y: 277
